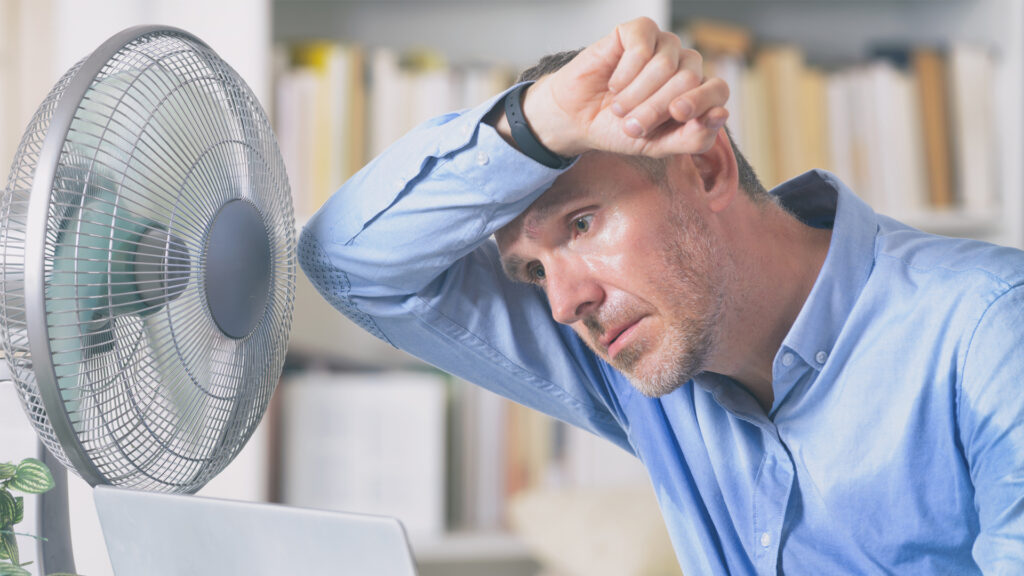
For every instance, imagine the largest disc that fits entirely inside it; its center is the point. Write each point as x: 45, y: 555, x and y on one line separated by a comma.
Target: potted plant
x: 30, y: 476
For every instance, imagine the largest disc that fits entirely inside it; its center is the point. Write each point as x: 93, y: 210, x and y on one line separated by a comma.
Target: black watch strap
x: 524, y: 137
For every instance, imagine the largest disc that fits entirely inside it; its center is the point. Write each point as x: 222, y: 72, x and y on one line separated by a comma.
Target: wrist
x: 524, y: 136
x: 545, y: 121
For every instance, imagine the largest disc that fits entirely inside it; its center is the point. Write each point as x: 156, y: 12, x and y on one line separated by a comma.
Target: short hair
x: 654, y: 168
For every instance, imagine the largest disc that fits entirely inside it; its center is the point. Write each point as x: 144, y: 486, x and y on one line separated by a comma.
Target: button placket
x: 775, y: 483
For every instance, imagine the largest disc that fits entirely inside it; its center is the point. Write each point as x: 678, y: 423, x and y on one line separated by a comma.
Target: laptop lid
x: 151, y: 534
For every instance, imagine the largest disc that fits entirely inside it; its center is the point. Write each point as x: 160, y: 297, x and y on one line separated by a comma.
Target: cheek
x: 611, y: 247
x: 621, y: 251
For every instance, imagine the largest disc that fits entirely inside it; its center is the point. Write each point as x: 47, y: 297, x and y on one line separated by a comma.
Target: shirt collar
x: 847, y: 266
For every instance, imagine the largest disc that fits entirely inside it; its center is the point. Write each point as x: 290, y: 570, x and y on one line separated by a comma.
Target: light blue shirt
x: 895, y: 444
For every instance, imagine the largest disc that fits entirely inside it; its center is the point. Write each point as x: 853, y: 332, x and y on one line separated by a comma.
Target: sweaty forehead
x: 527, y: 225
x: 593, y: 175
x: 551, y: 202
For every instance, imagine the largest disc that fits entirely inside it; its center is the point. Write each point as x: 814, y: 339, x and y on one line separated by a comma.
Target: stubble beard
x: 694, y: 273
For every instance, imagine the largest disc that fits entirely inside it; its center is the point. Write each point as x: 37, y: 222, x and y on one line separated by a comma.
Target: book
x: 909, y: 128
x: 782, y: 69
x: 933, y: 101
x: 479, y: 445
x: 716, y: 37
x: 814, y: 127
x: 973, y: 126
x: 295, y: 119
x: 368, y: 442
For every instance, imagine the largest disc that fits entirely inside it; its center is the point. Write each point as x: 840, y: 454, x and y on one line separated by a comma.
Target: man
x: 813, y: 388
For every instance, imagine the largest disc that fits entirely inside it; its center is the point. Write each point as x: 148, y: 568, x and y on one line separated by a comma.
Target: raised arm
x: 402, y: 247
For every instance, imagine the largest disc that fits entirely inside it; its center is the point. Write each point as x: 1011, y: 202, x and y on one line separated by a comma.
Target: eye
x: 582, y: 224
x: 536, y: 273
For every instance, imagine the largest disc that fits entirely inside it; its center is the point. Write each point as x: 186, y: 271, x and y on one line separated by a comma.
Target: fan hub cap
x: 237, y: 268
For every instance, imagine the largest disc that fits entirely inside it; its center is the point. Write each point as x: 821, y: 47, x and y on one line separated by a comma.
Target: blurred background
x: 914, y: 103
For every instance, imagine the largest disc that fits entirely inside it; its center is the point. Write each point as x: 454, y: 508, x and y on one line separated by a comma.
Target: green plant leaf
x: 7, y: 470
x: 19, y: 509
x: 8, y: 508
x: 10, y: 546
x: 32, y: 477
x: 3, y: 553
x: 12, y: 570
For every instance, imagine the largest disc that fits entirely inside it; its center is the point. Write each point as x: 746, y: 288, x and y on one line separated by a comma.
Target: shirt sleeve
x: 403, y: 250
x: 991, y: 419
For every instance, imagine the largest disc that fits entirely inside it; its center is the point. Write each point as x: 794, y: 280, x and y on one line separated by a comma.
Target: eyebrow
x: 547, y: 205
x: 512, y: 267
x: 536, y: 214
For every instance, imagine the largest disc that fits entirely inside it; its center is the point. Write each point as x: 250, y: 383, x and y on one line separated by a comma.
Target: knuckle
x: 689, y: 78
x: 670, y: 39
x: 645, y: 22
x: 643, y: 52
x: 717, y: 89
x: 646, y: 115
x: 662, y: 65
x: 692, y: 59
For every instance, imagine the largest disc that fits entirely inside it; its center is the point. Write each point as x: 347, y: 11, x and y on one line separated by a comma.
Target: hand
x: 636, y: 91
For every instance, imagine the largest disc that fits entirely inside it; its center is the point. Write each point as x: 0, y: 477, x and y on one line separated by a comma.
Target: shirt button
x: 821, y: 356
x: 482, y: 159
x: 787, y: 359
x: 766, y: 539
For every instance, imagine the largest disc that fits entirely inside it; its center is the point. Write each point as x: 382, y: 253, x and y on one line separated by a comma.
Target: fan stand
x: 53, y: 550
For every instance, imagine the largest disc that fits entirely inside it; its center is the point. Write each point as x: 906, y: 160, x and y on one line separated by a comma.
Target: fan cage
x: 154, y: 395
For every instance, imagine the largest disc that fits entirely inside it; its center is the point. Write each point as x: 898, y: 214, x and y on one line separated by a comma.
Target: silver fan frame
x: 54, y: 549
x: 35, y: 240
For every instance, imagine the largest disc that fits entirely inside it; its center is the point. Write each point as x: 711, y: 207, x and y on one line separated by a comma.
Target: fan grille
x: 157, y: 397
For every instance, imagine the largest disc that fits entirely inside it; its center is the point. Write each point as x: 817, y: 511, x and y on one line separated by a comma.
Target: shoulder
x: 976, y: 266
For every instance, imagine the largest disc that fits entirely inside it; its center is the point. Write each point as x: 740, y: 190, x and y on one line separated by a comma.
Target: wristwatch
x: 524, y: 137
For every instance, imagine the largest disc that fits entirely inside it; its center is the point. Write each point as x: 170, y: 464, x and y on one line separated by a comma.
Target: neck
x: 772, y: 282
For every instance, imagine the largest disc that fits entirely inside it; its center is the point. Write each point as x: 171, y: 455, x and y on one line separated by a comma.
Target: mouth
x: 616, y: 338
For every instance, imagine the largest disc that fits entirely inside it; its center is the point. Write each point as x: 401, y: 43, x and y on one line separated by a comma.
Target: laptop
x: 152, y: 534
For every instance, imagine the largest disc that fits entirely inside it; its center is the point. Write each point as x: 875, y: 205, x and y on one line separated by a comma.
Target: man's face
x: 628, y: 265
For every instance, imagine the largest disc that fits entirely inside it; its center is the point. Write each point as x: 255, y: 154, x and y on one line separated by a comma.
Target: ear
x: 717, y: 173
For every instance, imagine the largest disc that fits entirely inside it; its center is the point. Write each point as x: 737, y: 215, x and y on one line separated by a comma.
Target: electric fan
x: 147, y: 267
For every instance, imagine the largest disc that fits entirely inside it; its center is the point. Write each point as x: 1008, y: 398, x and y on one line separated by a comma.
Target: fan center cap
x: 237, y: 268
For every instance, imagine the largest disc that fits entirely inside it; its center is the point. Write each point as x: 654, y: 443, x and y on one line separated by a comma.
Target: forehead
x: 595, y: 176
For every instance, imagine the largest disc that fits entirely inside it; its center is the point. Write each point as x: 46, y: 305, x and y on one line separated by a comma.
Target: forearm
x: 429, y: 200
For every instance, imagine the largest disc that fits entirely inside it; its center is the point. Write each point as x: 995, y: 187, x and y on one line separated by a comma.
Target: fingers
x: 714, y: 92
x: 671, y: 100
x: 638, y: 40
x: 656, y: 80
x: 638, y: 89
x: 695, y: 136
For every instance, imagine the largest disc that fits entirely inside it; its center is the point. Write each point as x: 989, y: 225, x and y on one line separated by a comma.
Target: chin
x: 657, y: 385
x: 655, y: 373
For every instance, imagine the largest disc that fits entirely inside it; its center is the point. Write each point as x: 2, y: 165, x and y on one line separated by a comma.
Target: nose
x: 573, y: 291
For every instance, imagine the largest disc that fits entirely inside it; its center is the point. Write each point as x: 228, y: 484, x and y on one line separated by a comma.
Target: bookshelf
x: 831, y: 33
x: 836, y: 34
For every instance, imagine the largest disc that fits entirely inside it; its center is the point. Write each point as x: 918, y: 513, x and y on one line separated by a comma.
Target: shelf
x: 958, y: 224
x: 469, y: 546
x: 493, y: 31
